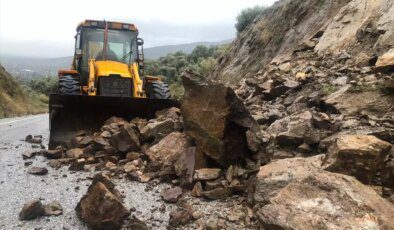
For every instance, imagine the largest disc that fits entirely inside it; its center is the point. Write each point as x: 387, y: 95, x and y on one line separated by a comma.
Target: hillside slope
x: 361, y: 27
x: 16, y: 100
x: 318, y: 78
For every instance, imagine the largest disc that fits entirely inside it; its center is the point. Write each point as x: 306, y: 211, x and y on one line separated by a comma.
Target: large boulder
x: 278, y: 174
x: 101, y: 207
x: 367, y: 102
x: 169, y: 149
x: 298, y: 128
x: 357, y: 155
x: 216, y: 119
x: 296, y: 193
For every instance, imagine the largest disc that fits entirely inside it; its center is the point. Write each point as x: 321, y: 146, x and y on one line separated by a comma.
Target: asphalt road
x: 17, y: 187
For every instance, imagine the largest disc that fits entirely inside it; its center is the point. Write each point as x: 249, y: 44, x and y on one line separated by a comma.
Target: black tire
x: 69, y: 85
x: 157, y: 90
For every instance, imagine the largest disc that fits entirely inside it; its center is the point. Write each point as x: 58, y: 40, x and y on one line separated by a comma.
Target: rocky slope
x: 361, y: 27
x: 318, y: 77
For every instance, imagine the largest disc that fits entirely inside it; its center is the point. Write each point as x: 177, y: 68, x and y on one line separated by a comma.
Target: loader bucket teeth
x: 69, y: 114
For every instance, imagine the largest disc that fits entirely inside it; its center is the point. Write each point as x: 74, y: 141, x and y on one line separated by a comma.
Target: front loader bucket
x: 69, y: 114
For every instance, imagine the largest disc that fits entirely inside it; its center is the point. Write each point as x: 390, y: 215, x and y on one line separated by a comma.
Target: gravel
x: 17, y: 187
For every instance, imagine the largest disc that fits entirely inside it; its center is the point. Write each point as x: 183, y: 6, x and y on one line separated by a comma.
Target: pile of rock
x: 119, y: 147
x: 214, y: 148
x: 217, y: 147
x: 305, y: 101
x: 310, y: 104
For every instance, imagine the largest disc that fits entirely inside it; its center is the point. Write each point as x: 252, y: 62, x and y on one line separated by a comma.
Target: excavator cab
x: 106, y: 79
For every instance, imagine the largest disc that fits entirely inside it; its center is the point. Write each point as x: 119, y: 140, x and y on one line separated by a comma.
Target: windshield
x: 121, y: 45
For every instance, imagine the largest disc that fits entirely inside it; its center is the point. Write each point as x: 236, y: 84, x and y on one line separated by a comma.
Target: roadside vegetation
x: 247, y: 16
x: 17, y: 99
x: 44, y: 85
x: 170, y: 67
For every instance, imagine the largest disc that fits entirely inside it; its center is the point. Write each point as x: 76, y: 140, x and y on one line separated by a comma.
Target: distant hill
x: 160, y: 51
x: 27, y: 67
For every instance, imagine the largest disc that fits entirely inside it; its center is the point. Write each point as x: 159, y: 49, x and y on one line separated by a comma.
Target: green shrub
x: 44, y: 85
x: 247, y: 16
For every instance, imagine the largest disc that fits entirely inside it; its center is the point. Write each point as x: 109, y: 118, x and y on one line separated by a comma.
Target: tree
x: 44, y: 85
x: 247, y: 16
x: 206, y: 66
x: 198, y: 52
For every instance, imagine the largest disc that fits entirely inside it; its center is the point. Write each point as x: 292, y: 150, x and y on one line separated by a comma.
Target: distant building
x: 27, y: 73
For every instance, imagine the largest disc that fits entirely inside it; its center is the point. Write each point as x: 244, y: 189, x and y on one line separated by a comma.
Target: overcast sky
x: 45, y: 28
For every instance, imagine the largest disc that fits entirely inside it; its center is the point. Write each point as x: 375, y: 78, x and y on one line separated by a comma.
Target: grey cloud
x: 155, y: 33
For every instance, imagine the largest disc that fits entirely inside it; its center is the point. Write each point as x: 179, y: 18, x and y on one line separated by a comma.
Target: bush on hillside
x: 44, y: 85
x: 247, y: 16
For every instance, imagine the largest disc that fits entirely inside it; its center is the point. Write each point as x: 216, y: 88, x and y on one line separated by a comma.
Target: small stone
x: 230, y: 173
x: 37, y: 171
x: 28, y: 137
x: 197, y: 215
x: 133, y: 156
x: 105, y: 134
x: 33, y: 140
x: 143, y: 178
x: 340, y: 81
x: 197, y: 190
x: 304, y: 148
x: 28, y: 154
x: 179, y: 217
x: 217, y: 194
x: 74, y: 153
x: 133, y: 176
x: 136, y: 224
x: 207, y: 174
x: 53, y: 208
x: 172, y: 195
x: 234, y: 216
x: 53, y: 154
x: 77, y: 164
x: 31, y: 210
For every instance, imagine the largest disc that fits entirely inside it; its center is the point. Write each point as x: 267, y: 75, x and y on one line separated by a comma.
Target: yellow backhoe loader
x: 106, y: 79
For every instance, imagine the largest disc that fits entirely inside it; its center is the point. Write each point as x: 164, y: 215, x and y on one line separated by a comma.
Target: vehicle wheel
x: 69, y: 85
x: 157, y: 90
